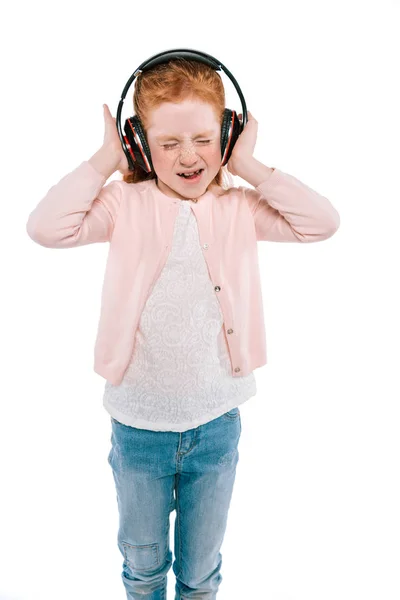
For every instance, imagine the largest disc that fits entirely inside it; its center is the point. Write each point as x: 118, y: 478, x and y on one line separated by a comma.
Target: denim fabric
x: 156, y: 472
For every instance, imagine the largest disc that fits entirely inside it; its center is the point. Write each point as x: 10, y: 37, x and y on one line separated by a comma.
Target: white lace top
x: 179, y: 375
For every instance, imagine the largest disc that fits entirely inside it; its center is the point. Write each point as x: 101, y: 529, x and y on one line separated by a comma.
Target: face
x: 184, y: 137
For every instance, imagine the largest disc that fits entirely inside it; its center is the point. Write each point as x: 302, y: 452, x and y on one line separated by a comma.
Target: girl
x: 181, y: 327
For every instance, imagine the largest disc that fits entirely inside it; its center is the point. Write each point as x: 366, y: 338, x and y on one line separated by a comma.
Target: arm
x: 78, y: 210
x: 285, y: 209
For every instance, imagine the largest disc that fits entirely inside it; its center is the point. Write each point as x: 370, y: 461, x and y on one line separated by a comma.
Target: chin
x: 189, y: 191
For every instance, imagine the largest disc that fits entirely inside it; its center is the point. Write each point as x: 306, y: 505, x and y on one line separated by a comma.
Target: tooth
x: 185, y: 174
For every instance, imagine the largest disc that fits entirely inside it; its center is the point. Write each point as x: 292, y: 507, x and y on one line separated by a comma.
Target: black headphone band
x: 165, y: 56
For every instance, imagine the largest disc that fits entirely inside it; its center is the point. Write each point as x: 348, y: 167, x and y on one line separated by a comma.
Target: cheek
x: 212, y: 155
x: 161, y: 160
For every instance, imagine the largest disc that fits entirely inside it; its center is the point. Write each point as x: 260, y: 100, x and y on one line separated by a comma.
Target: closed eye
x: 168, y: 146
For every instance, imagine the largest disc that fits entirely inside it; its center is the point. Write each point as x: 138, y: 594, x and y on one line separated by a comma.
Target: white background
x: 315, y: 509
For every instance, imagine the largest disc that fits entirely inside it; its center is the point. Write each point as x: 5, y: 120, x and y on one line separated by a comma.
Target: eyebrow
x: 171, y: 137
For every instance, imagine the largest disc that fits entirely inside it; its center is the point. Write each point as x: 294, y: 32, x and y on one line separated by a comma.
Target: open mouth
x: 194, y: 177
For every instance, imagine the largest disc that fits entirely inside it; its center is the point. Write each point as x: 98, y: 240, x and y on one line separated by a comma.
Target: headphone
x: 134, y: 142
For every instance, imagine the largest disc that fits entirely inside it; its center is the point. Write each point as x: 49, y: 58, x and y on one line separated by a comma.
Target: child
x: 181, y: 327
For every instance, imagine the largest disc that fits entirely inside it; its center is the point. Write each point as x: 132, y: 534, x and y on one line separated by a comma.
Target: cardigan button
x: 230, y: 330
x: 217, y: 288
x: 205, y: 246
x: 237, y: 369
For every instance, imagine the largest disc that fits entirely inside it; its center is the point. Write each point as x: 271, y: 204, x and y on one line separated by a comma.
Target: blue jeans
x: 156, y: 472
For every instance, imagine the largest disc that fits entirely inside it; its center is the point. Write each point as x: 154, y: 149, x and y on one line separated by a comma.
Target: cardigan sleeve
x: 77, y: 210
x: 286, y: 210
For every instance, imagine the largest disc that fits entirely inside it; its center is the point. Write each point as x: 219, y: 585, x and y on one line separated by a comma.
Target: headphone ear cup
x: 231, y: 128
x: 138, y: 148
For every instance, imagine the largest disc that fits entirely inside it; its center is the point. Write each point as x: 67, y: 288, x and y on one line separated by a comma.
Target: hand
x: 112, y: 141
x: 244, y: 147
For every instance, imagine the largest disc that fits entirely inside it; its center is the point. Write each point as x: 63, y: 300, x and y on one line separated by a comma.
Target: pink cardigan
x: 138, y: 221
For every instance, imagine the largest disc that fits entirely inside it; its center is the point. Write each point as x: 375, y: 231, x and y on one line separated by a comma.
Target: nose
x: 188, y: 156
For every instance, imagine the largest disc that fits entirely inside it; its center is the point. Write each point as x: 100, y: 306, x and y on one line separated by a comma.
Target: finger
x: 107, y: 110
